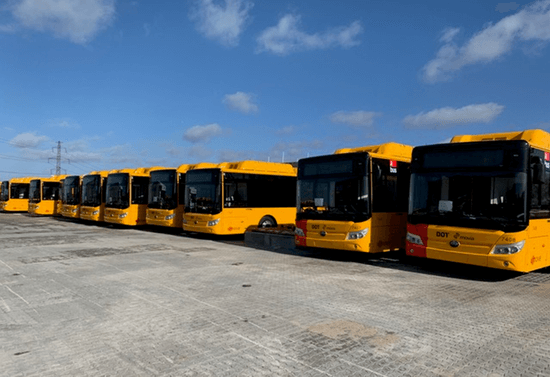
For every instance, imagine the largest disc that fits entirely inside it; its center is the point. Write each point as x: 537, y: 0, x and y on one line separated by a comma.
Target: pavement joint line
x: 8, y: 309
x: 26, y: 302
x: 5, y: 264
x: 360, y: 367
x: 271, y: 350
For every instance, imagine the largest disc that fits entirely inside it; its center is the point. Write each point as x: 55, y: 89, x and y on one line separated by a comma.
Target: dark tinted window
x: 254, y: 190
x: 540, y: 191
x: 390, y: 188
x: 140, y: 187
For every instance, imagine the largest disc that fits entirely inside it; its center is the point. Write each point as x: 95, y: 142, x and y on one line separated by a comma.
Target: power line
x: 18, y: 172
x: 17, y: 158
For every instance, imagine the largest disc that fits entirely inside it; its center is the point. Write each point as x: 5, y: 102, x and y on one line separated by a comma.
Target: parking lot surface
x: 79, y: 299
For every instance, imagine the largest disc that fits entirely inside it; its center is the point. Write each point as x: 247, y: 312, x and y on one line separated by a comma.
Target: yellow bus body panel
x: 16, y: 205
x: 158, y: 217
x: 236, y: 220
x: 475, y: 246
x: 70, y: 211
x: 386, y: 232
x: 135, y: 215
x: 87, y: 213
x: 44, y: 208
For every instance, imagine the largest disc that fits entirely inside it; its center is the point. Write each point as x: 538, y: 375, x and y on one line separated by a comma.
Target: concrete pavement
x: 88, y: 300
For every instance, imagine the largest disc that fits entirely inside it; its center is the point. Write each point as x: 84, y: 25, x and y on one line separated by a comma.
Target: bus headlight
x: 123, y: 215
x: 170, y: 217
x: 299, y: 232
x: 95, y: 213
x: 213, y: 222
x: 413, y: 238
x: 184, y: 221
x: 512, y: 248
x: 74, y: 210
x: 357, y: 235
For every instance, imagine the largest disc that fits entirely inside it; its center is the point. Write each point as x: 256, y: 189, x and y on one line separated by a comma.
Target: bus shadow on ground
x: 395, y: 260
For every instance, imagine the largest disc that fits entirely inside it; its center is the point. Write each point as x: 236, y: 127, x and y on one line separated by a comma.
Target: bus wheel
x: 267, y: 222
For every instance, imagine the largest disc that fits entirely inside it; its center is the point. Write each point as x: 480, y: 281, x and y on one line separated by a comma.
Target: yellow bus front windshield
x: 480, y: 186
x: 163, y: 192
x: 118, y: 191
x: 71, y: 190
x: 19, y: 191
x: 203, y: 191
x: 34, y: 191
x: 334, y: 187
x: 4, y: 192
x: 91, y: 190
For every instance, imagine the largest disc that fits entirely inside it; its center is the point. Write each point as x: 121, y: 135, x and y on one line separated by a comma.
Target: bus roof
x: 102, y: 173
x: 144, y: 172
x: 53, y: 178
x: 259, y: 167
x: 22, y: 180
x: 536, y: 138
x: 387, y: 150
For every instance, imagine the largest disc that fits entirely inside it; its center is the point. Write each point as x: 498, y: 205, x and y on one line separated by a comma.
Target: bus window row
x: 480, y: 199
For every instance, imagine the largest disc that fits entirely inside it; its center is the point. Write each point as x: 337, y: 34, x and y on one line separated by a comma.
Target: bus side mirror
x: 538, y: 171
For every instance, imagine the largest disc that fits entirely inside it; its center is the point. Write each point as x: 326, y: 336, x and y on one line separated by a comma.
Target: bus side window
x: 540, y: 190
x: 390, y: 186
x: 140, y: 190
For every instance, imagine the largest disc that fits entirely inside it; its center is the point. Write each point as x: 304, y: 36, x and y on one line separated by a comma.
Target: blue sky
x: 147, y: 83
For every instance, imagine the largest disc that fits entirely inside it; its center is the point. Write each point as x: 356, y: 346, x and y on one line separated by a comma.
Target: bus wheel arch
x: 267, y: 221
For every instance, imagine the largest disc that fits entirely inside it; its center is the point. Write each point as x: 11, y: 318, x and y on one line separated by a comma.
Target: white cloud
x: 222, y: 23
x: 8, y: 28
x: 77, y: 21
x: 354, y: 118
x: 241, y: 102
x: 227, y: 155
x: 449, y: 34
x: 447, y: 117
x: 64, y: 123
x: 292, y: 151
x: 285, y: 131
x: 202, y: 134
x: 506, y: 7
x: 28, y: 140
x: 530, y: 24
x: 199, y: 151
x: 286, y: 37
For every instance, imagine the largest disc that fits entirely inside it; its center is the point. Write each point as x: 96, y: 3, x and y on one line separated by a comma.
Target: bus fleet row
x: 480, y: 199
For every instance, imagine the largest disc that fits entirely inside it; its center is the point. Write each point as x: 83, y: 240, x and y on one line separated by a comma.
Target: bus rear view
x: 355, y: 199
x: 482, y: 200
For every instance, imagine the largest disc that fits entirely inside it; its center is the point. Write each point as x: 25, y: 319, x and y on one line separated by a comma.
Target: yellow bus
x: 15, y: 194
x: 71, y: 196
x: 483, y: 200
x: 231, y: 197
x: 166, y: 195
x: 127, y: 196
x: 94, y: 186
x: 355, y: 199
x: 59, y: 201
x: 4, y: 193
x: 44, y: 195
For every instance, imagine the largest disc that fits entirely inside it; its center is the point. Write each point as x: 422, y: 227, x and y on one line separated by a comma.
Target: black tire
x: 267, y: 222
